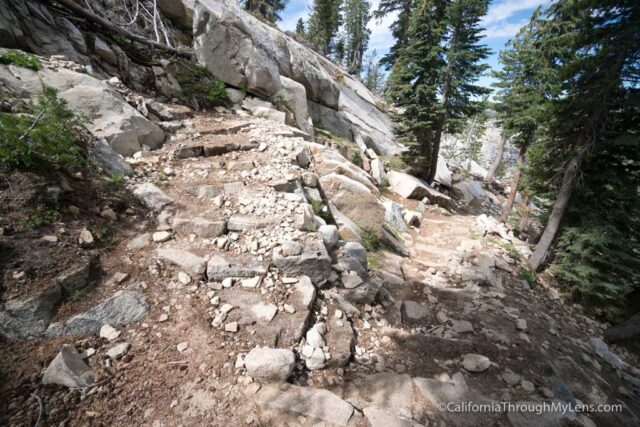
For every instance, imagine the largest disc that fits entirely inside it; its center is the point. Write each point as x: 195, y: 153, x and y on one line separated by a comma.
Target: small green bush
x: 42, y: 139
x: 21, y: 60
x: 370, y: 240
x: 43, y: 215
x: 116, y: 182
x: 200, y: 88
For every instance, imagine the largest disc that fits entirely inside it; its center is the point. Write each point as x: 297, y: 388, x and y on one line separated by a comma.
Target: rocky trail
x: 234, y: 302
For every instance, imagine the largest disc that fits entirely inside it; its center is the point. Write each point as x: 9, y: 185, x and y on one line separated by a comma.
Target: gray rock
x: 306, y: 291
x: 330, y: 235
x: 413, y: 311
x: 118, y: 351
x: 602, y: 350
x: 68, y: 369
x: 76, y: 278
x: 313, y: 403
x: 244, y: 222
x: 314, y: 261
x: 352, y: 256
x: 220, y: 267
x: 105, y: 157
x: 121, y: 308
x: 377, y: 417
x: 356, y: 201
x: 29, y: 318
x: 290, y: 248
x: 139, y: 242
x: 411, y: 187
x: 469, y: 192
x: 264, y: 311
x: 393, y: 215
x: 179, y: 11
x: 316, y: 361
x: 443, y: 174
x: 188, y: 262
x: 151, y: 196
x: 200, y: 227
x: 475, y: 362
x: 270, y: 364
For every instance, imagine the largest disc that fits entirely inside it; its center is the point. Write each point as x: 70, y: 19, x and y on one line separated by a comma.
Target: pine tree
x: 356, y: 26
x: 300, y: 28
x: 433, y: 80
x: 373, y: 76
x: 399, y: 28
x: 596, y: 46
x: 526, y: 84
x: 266, y: 10
x: 324, y: 21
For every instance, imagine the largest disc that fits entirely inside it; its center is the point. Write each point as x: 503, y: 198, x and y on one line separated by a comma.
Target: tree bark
x: 71, y: 5
x: 559, y: 208
x: 496, y: 162
x: 435, y: 145
x: 515, y: 182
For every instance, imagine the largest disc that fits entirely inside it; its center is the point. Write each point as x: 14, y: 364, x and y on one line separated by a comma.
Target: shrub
x: 200, y: 88
x: 43, y: 139
x: 370, y: 240
x: 43, y: 215
x: 21, y: 60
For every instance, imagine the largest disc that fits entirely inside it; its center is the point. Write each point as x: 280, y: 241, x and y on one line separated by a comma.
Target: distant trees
x: 374, y: 76
x: 267, y: 10
x: 300, y: 28
x: 433, y: 80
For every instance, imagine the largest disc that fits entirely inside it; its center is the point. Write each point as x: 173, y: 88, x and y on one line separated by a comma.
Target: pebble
x: 184, y: 278
x: 161, y: 236
x: 521, y: 325
x: 475, y: 362
x: 182, y: 346
x: 528, y: 386
x: 231, y: 327
x: 441, y: 317
x: 163, y: 317
x: 118, y: 351
x: 109, y: 332
x: 86, y: 238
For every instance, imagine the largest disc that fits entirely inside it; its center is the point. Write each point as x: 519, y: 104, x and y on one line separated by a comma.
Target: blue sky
x: 504, y: 19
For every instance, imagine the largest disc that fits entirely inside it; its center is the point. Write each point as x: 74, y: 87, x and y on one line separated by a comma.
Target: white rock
x: 109, y: 332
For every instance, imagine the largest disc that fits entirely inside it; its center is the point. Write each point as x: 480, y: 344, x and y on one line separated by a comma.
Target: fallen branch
x: 41, y: 406
x: 33, y: 125
x: 71, y: 5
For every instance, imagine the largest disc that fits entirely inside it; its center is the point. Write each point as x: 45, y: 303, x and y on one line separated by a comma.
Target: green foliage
x: 356, y: 158
x: 397, y: 163
x: 43, y: 215
x: 468, y: 145
x: 324, y: 21
x: 20, y: 59
x: 528, y: 277
x: 433, y: 80
x: 316, y: 206
x: 370, y: 240
x: 116, y: 182
x: 200, y: 88
x: 44, y: 139
x: 399, y: 28
x: 300, y: 28
x: 374, y: 78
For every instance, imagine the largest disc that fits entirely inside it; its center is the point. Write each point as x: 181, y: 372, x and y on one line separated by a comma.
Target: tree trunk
x: 559, y: 207
x: 87, y: 14
x: 623, y: 331
x: 524, y: 220
x: 515, y: 182
x: 496, y: 162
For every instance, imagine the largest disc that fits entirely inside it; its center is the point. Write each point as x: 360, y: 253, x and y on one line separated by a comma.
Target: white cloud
x: 505, y: 9
x: 504, y: 29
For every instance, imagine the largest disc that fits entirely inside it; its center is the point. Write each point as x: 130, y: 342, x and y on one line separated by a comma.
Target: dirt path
x: 451, y: 323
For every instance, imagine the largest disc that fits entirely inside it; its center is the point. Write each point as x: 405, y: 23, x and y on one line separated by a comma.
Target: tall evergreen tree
x: 267, y: 10
x: 324, y: 21
x: 433, y: 80
x: 399, y: 28
x: 373, y: 76
x: 597, y: 47
x: 526, y: 84
x: 300, y: 28
x: 356, y: 27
